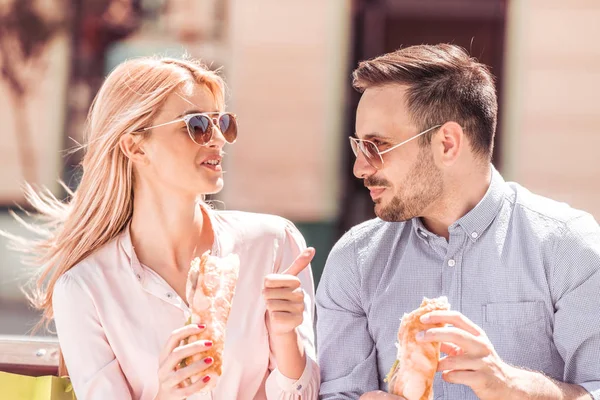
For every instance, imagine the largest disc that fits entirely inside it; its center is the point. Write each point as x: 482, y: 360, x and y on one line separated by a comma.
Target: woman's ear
x: 130, y: 146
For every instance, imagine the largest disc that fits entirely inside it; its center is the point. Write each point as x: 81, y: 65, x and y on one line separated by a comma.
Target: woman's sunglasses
x: 200, y: 126
x: 372, y: 154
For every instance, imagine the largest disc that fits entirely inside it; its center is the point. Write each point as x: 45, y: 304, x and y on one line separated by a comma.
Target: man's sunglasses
x: 200, y: 126
x: 372, y: 153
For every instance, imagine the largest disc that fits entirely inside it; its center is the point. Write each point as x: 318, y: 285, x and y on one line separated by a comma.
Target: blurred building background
x: 288, y: 65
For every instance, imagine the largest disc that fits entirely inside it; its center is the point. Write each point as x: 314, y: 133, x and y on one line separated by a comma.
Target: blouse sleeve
x: 92, y: 366
x: 277, y: 385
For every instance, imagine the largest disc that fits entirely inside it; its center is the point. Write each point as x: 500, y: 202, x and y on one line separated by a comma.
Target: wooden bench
x: 30, y: 355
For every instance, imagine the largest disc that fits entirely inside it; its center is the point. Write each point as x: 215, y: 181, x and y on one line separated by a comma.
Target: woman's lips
x: 213, y: 167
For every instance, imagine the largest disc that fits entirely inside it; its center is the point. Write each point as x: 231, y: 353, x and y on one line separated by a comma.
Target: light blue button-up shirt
x: 524, y: 268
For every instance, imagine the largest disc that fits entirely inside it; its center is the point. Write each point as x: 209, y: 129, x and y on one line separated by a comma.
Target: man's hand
x: 379, y: 395
x: 471, y: 358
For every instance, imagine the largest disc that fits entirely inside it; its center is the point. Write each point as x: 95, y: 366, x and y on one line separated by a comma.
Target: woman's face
x: 173, y: 162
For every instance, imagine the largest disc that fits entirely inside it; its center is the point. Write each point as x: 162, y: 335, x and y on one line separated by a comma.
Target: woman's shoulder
x: 256, y: 224
x: 94, y: 268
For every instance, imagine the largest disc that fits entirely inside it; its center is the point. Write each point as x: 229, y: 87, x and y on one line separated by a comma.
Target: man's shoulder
x: 535, y: 207
x: 368, y: 235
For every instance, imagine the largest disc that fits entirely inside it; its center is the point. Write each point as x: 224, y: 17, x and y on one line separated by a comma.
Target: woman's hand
x: 169, y: 378
x: 285, y: 307
x: 284, y: 296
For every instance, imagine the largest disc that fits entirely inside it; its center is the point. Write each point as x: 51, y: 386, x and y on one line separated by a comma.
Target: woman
x: 116, y: 256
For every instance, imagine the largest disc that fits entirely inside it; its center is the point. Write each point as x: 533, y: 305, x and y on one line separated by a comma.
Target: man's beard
x: 421, y: 187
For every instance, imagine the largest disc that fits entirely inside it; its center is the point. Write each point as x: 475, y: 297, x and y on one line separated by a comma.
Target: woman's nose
x: 217, y: 139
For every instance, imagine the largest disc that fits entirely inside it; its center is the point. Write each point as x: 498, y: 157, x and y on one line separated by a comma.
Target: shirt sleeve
x: 576, y: 287
x: 347, y: 352
x: 92, y: 366
x: 277, y: 385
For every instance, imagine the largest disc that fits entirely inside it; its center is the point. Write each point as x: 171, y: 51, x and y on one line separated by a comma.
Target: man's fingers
x: 451, y: 349
x: 176, y: 337
x: 380, y: 395
x: 300, y: 262
x: 462, y: 362
x: 468, y: 378
x: 469, y: 343
x: 454, y: 318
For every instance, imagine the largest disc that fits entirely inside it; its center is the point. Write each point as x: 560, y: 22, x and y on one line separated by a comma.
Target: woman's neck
x: 169, y: 231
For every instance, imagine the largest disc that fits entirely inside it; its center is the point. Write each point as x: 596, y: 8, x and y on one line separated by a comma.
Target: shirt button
x: 299, y: 387
x: 451, y: 263
x: 169, y: 295
x: 474, y: 235
x: 139, y: 277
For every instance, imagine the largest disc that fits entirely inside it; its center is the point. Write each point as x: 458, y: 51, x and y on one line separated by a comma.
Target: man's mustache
x: 372, y: 181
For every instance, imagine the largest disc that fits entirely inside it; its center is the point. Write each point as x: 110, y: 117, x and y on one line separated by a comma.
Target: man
x: 521, y: 272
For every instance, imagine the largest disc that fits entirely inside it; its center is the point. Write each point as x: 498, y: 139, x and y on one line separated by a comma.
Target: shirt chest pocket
x: 520, y: 332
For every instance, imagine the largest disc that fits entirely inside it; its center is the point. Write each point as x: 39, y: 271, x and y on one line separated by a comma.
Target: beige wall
x: 286, y: 70
x: 552, y: 124
x: 285, y: 64
x: 45, y: 108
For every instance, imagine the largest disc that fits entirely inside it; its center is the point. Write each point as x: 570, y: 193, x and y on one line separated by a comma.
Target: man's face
x: 409, y: 182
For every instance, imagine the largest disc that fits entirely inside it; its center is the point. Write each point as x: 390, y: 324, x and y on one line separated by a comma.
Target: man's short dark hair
x: 443, y: 84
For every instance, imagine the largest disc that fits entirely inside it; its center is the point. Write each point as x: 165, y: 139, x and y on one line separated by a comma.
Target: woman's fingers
x: 177, y: 336
x: 301, y: 262
x: 275, y: 281
x: 284, y: 294
x: 196, y: 386
x: 285, y: 306
x: 179, y: 376
x: 182, y: 352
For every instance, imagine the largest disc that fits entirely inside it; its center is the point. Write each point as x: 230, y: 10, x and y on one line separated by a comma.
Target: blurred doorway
x: 381, y: 26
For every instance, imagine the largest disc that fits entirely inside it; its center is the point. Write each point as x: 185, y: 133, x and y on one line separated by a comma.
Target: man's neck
x: 461, y: 195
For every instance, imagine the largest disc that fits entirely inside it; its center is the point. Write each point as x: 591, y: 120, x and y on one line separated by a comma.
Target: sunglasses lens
x: 228, y: 126
x: 372, y: 154
x: 200, y: 128
x: 369, y: 150
x: 354, y: 146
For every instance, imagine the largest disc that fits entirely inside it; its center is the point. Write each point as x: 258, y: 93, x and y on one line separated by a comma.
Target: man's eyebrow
x: 375, y: 135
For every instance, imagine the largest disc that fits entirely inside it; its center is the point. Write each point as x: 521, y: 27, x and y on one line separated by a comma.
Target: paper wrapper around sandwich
x: 209, y: 291
x: 413, y: 372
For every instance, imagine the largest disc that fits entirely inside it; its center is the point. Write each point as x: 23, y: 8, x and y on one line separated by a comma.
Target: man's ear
x: 450, y: 141
x: 130, y: 146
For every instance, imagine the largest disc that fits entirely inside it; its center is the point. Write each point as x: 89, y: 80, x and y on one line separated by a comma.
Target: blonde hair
x: 102, y: 205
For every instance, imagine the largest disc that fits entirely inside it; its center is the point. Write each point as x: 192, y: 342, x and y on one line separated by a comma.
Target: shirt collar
x: 476, y: 221
x: 127, y: 247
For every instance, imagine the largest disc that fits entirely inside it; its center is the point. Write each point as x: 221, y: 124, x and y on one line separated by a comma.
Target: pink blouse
x: 113, y: 317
